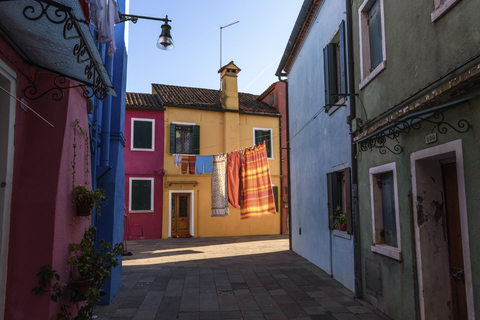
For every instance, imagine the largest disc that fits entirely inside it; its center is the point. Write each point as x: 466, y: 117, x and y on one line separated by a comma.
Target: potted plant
x: 90, y: 263
x: 87, y: 199
x: 339, y: 218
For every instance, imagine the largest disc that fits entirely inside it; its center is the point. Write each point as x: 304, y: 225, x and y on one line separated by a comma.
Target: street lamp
x: 165, y: 41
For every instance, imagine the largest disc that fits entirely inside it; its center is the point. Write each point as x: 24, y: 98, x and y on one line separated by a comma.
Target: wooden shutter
x: 258, y: 137
x: 331, y: 188
x: 196, y: 139
x: 271, y: 99
x: 141, y: 194
x: 348, y: 199
x: 275, y: 196
x: 343, y: 55
x: 329, y: 69
x: 142, y: 134
x: 172, y: 138
x: 267, y: 137
x: 375, y: 34
x: 388, y: 209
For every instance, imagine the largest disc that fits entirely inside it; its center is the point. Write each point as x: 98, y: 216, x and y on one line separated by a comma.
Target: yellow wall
x: 220, y: 132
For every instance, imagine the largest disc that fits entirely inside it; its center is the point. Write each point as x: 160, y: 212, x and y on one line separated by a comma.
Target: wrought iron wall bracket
x: 378, y: 140
x: 58, y: 14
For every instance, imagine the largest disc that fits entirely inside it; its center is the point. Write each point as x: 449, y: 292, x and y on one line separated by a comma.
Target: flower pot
x: 84, y: 208
x: 342, y: 226
x: 81, y: 285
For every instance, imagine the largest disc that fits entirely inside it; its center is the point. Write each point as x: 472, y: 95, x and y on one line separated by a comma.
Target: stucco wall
x: 323, y: 144
x: 213, y: 141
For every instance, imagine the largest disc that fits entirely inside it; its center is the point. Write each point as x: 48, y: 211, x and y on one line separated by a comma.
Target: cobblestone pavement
x: 249, y: 278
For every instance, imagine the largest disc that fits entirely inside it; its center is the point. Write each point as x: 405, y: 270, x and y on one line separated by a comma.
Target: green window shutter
x: 343, y: 68
x: 141, y: 194
x: 275, y: 196
x: 334, y: 198
x: 375, y: 33
x: 388, y: 209
x: 172, y: 138
x: 268, y: 141
x: 330, y: 73
x: 258, y: 137
x: 142, y: 134
x: 196, y: 139
x: 271, y: 99
x: 348, y: 199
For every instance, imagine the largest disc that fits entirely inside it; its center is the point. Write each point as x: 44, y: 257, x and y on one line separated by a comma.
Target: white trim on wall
x: 152, y: 193
x: 453, y: 146
x: 132, y: 133
x: 192, y: 212
x: 271, y: 139
x: 9, y: 76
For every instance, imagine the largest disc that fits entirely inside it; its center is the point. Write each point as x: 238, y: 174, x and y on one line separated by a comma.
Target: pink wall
x: 43, y: 220
x: 280, y: 102
x: 145, y: 164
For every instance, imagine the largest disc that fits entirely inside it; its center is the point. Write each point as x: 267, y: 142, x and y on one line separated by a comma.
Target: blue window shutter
x: 172, y: 138
x: 196, y: 139
x: 332, y: 189
x: 330, y: 73
x: 375, y: 34
x: 343, y: 60
x: 388, y: 209
x: 348, y: 199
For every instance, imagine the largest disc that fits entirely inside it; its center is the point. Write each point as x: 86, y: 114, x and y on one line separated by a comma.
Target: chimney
x: 228, y: 75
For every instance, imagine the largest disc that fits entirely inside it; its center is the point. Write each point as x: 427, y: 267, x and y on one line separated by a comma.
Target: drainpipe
x: 355, y: 216
x: 106, y: 117
x: 280, y: 194
x: 288, y: 163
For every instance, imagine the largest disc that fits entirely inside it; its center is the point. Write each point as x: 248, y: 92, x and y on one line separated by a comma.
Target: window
x: 261, y: 135
x: 141, y: 194
x: 372, y: 40
x: 271, y: 99
x: 441, y: 7
x: 338, y: 187
x: 334, y: 67
x: 184, y: 138
x: 143, y: 134
x: 275, y: 196
x: 385, y: 217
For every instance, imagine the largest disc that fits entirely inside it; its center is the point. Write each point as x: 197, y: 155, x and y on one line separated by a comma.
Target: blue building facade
x: 107, y: 124
x: 315, y: 62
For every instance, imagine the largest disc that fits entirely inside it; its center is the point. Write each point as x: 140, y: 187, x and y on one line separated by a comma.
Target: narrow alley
x: 249, y: 277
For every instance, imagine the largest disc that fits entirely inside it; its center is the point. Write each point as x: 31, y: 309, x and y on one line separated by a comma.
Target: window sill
x: 388, y: 251
x: 342, y: 234
x: 439, y: 12
x: 140, y: 211
x: 333, y: 109
x: 375, y: 72
x: 137, y: 149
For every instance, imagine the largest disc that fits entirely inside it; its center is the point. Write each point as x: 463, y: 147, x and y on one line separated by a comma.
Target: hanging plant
x: 86, y: 198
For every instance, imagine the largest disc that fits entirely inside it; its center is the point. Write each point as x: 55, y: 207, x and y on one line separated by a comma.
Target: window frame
x: 441, y: 10
x: 173, y: 136
x: 271, y: 139
x: 377, y: 213
x: 345, y: 194
x: 132, y: 134
x: 366, y: 74
x: 130, y: 191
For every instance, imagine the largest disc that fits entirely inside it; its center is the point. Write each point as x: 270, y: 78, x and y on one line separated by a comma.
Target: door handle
x: 459, y: 276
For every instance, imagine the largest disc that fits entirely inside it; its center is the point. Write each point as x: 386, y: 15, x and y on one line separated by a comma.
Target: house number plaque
x: 431, y: 138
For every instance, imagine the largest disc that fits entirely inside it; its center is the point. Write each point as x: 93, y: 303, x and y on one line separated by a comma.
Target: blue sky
x: 255, y: 44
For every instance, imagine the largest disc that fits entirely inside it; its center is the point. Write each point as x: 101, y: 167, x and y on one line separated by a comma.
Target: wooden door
x: 455, y: 249
x: 180, y: 214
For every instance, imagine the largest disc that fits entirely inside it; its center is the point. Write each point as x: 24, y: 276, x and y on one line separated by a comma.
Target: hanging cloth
x: 177, y: 159
x: 188, y: 164
x: 104, y: 14
x: 219, y: 186
x: 233, y: 178
x: 256, y: 195
x: 204, y: 164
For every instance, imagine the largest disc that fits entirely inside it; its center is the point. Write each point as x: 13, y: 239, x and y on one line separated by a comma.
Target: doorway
x: 181, y: 213
x: 441, y: 233
x: 7, y: 125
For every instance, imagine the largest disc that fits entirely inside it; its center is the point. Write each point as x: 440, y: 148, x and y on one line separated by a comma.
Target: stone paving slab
x: 227, y: 278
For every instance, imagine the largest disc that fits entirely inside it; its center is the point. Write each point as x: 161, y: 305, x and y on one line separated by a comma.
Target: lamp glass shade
x: 165, y: 41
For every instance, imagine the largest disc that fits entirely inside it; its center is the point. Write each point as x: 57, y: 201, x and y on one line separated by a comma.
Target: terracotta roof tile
x: 143, y: 100
x: 207, y: 98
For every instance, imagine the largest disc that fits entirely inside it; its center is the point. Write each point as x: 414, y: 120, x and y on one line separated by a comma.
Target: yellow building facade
x: 205, y: 122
